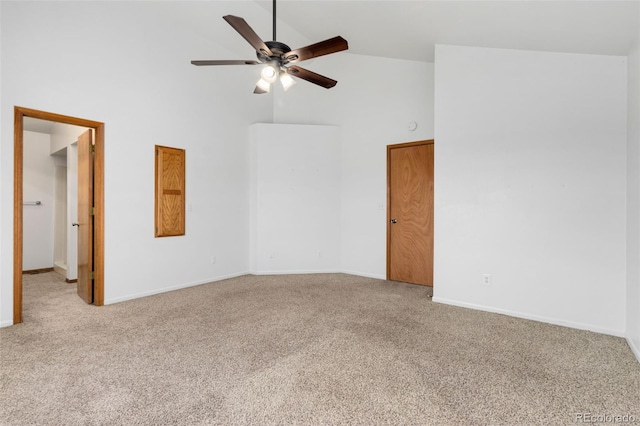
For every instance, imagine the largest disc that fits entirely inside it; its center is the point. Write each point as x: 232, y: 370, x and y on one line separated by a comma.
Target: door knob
x: 394, y: 221
x: 75, y: 224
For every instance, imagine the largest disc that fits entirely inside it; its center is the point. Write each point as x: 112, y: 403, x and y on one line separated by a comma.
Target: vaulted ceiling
x: 410, y: 29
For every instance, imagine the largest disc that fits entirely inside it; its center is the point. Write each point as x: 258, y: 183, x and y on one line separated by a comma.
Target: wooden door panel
x: 85, y: 216
x: 410, y: 236
x: 170, y: 191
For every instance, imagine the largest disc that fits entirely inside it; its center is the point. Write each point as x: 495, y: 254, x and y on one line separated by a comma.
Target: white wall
x: 62, y: 135
x: 530, y: 184
x: 38, y: 185
x: 72, y: 211
x: 525, y: 171
x: 116, y: 84
x: 295, y: 199
x: 373, y: 103
x: 633, y: 197
x: 139, y: 81
x: 60, y: 220
x: 65, y: 137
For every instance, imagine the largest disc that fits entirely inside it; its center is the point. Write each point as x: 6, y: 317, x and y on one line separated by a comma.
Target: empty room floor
x: 301, y: 349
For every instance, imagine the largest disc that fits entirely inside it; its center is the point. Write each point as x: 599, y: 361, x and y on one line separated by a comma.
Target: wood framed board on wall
x: 169, y: 191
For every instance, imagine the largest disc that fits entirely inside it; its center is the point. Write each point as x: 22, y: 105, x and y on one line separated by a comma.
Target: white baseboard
x: 60, y: 268
x: 307, y: 271
x: 634, y: 348
x: 172, y: 288
x: 364, y: 274
x: 6, y: 324
x: 296, y: 272
x: 548, y: 320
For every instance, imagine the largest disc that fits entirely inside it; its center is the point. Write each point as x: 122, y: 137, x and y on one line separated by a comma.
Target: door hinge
x: 93, y: 148
x: 92, y: 211
x: 91, y: 275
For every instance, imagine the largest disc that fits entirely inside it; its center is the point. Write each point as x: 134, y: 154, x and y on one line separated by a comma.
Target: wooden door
x: 85, y: 216
x: 410, y: 212
x: 170, y: 191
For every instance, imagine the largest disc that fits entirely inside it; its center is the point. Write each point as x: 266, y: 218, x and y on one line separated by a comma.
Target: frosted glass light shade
x: 286, y: 80
x: 264, y: 85
x: 269, y: 74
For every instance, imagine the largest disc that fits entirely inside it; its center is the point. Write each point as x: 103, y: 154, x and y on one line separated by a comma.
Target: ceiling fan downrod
x: 274, y: 20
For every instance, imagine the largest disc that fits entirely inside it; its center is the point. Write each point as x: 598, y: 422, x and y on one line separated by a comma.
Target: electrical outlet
x: 213, y: 260
x: 486, y: 279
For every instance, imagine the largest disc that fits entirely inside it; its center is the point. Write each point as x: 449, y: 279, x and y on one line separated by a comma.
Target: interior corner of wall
x: 635, y: 347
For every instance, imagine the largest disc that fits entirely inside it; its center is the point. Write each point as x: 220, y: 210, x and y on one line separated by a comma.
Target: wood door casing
x: 410, y: 205
x: 98, y: 198
x: 85, y: 216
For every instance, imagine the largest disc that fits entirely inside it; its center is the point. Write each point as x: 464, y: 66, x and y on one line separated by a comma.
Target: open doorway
x: 94, y: 282
x: 50, y: 198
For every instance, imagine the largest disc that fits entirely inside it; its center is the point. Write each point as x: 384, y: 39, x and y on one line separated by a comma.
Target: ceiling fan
x: 277, y: 57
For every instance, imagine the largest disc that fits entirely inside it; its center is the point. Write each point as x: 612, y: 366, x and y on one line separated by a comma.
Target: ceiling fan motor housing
x: 279, y: 51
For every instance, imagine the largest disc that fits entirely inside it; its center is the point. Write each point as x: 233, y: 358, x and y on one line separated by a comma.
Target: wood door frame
x: 389, y: 148
x: 98, y: 171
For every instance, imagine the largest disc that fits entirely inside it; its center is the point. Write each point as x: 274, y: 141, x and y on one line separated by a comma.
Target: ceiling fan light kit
x: 286, y: 80
x: 269, y: 73
x: 262, y: 86
x: 277, y: 56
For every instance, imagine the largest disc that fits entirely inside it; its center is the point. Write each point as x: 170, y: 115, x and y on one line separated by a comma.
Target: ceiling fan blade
x: 241, y: 26
x: 322, y: 48
x: 311, y: 77
x: 231, y: 62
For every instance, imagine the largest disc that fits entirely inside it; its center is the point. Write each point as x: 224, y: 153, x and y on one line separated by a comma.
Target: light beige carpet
x: 312, y: 349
